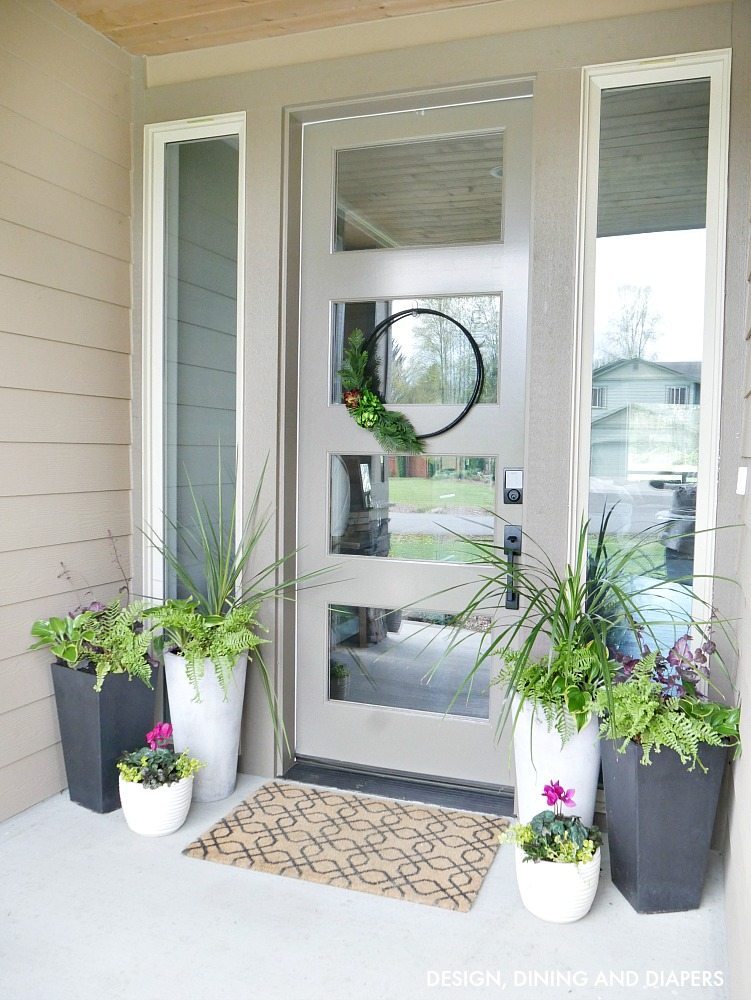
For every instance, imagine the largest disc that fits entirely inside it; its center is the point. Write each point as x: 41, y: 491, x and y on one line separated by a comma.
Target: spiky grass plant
x: 563, y: 611
x: 219, y: 619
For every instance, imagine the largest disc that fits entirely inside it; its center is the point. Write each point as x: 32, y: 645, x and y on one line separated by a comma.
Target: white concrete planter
x: 155, y: 812
x: 540, y: 757
x: 210, y: 728
x: 559, y: 893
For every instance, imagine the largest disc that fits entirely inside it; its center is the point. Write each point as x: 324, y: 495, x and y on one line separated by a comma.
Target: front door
x: 421, y: 210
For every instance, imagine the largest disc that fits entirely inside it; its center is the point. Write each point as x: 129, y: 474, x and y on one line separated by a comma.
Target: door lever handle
x: 512, y: 547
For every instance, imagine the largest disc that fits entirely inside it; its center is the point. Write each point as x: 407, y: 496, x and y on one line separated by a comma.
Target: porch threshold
x: 473, y: 798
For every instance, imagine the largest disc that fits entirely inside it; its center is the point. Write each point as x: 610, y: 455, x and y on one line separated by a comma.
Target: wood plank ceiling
x: 155, y: 27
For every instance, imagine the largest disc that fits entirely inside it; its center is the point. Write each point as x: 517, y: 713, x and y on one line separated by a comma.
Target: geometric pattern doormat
x: 402, y: 850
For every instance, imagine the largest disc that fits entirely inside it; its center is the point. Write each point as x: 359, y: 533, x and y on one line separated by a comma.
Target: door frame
x: 295, y: 118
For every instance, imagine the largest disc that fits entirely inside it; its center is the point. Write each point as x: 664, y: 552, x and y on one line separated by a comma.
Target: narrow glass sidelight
x: 649, y: 322
x: 200, y: 327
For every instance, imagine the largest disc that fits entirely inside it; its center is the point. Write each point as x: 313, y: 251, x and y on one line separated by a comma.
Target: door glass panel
x: 410, y: 506
x: 379, y: 656
x: 424, y: 359
x: 438, y: 192
x: 201, y: 179
x: 649, y: 321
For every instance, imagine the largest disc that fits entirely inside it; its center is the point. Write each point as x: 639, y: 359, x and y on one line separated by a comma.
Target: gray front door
x: 415, y: 210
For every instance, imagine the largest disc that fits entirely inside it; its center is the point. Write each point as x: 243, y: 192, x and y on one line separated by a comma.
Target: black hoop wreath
x: 392, y: 430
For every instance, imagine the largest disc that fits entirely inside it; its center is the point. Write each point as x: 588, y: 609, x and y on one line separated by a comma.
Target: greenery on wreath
x: 657, y: 702
x: 551, y: 836
x: 157, y: 763
x: 104, y: 639
x: 392, y: 430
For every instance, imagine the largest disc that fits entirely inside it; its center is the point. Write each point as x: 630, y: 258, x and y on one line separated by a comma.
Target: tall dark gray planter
x: 660, y: 821
x: 96, y: 728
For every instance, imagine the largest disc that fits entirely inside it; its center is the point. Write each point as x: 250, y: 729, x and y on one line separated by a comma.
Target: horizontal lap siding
x: 65, y: 274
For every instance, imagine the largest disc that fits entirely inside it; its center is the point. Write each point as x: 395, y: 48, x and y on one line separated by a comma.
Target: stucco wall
x: 65, y: 252
x: 738, y: 328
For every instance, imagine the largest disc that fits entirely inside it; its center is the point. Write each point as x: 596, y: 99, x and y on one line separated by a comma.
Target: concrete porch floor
x: 88, y: 909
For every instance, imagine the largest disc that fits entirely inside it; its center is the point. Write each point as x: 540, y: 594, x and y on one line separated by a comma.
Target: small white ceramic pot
x: 155, y: 812
x: 559, y: 893
x: 540, y: 757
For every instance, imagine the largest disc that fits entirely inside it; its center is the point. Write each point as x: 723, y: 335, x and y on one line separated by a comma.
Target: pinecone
x: 351, y: 398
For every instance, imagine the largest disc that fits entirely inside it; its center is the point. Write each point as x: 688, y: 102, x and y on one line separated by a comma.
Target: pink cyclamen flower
x: 553, y: 792
x: 161, y: 733
x: 568, y: 798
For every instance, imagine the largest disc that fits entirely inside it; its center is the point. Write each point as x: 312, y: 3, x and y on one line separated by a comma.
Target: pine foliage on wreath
x: 392, y: 430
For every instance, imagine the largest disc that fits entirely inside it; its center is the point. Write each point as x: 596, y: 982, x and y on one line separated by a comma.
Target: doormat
x: 402, y: 850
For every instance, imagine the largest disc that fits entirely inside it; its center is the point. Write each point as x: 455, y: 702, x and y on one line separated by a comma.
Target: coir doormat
x: 402, y: 850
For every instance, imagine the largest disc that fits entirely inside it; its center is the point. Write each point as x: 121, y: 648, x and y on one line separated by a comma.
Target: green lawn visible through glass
x: 441, y: 491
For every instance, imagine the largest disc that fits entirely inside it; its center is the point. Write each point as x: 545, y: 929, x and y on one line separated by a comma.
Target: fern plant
x: 218, y: 638
x: 103, y: 639
x: 640, y: 711
x: 122, y: 643
x: 562, y: 685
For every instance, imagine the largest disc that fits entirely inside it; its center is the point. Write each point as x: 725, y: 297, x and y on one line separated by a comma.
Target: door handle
x: 512, y: 547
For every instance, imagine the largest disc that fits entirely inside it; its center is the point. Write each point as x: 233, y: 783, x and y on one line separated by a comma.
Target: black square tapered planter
x: 660, y: 821
x: 96, y: 728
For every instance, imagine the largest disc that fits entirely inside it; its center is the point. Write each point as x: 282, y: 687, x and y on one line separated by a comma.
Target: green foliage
x: 154, y: 768
x: 562, y: 685
x: 339, y: 672
x: 552, y: 837
x: 637, y: 711
x: 198, y: 637
x: 121, y: 643
x: 562, y: 610
x: 392, y: 430
x: 114, y: 640
x: 68, y: 638
x: 354, y: 370
x: 219, y: 619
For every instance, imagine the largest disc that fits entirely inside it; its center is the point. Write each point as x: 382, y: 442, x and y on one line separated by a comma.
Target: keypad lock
x: 513, y: 485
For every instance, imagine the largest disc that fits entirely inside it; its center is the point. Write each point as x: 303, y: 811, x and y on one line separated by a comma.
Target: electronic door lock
x: 513, y: 485
x: 512, y: 547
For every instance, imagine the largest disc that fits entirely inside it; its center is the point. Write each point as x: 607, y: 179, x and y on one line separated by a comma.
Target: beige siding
x: 65, y: 160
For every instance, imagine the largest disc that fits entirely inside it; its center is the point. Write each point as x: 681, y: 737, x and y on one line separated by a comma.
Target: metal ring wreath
x: 391, y: 429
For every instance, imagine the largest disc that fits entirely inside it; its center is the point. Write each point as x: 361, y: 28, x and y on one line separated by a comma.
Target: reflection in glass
x: 411, y: 506
x: 200, y: 336
x: 649, y: 309
x: 424, y: 359
x: 384, y: 657
x: 438, y: 192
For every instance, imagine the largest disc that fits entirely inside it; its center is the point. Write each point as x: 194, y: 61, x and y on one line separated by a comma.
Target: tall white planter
x: 539, y: 757
x: 556, y: 892
x: 209, y: 728
x: 155, y: 812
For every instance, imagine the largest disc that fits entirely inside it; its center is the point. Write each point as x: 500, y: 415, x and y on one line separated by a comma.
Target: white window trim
x: 156, y: 138
x: 714, y: 65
